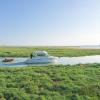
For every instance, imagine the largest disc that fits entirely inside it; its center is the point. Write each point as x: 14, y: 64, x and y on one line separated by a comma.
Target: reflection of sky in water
x: 19, y: 62
x: 78, y: 60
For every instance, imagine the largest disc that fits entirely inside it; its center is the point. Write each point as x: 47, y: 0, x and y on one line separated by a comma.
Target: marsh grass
x: 76, y: 82
x: 55, y: 51
x: 53, y: 82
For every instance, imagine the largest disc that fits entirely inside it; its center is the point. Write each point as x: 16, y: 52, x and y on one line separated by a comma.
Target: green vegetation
x: 53, y: 82
x: 55, y: 51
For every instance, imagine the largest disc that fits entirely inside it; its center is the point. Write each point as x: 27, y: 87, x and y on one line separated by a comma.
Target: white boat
x: 41, y: 57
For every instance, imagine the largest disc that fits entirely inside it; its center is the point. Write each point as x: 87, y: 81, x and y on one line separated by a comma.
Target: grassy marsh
x: 61, y: 82
x: 55, y: 51
x: 77, y: 82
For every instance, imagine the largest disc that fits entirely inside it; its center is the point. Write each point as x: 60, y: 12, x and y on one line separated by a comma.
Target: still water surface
x: 19, y: 62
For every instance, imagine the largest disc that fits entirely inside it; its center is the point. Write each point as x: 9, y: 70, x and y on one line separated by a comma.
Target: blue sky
x: 49, y: 22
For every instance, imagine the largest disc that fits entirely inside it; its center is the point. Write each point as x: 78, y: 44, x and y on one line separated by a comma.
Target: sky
x: 49, y: 22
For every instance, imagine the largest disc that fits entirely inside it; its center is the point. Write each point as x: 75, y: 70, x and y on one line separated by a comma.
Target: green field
x: 55, y: 51
x: 77, y: 82
x: 52, y: 82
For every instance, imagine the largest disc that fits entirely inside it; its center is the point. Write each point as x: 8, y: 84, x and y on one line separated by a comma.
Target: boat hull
x: 36, y: 60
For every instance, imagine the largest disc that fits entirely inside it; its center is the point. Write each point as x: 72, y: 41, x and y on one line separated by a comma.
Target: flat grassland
x: 55, y: 51
x: 52, y: 82
x: 76, y: 82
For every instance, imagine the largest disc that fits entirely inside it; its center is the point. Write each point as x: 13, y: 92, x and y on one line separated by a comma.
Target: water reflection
x: 20, y: 62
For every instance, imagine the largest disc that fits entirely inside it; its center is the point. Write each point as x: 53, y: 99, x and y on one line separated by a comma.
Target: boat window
x: 41, y: 54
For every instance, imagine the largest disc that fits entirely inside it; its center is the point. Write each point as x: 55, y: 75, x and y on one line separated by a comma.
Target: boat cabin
x: 40, y: 54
